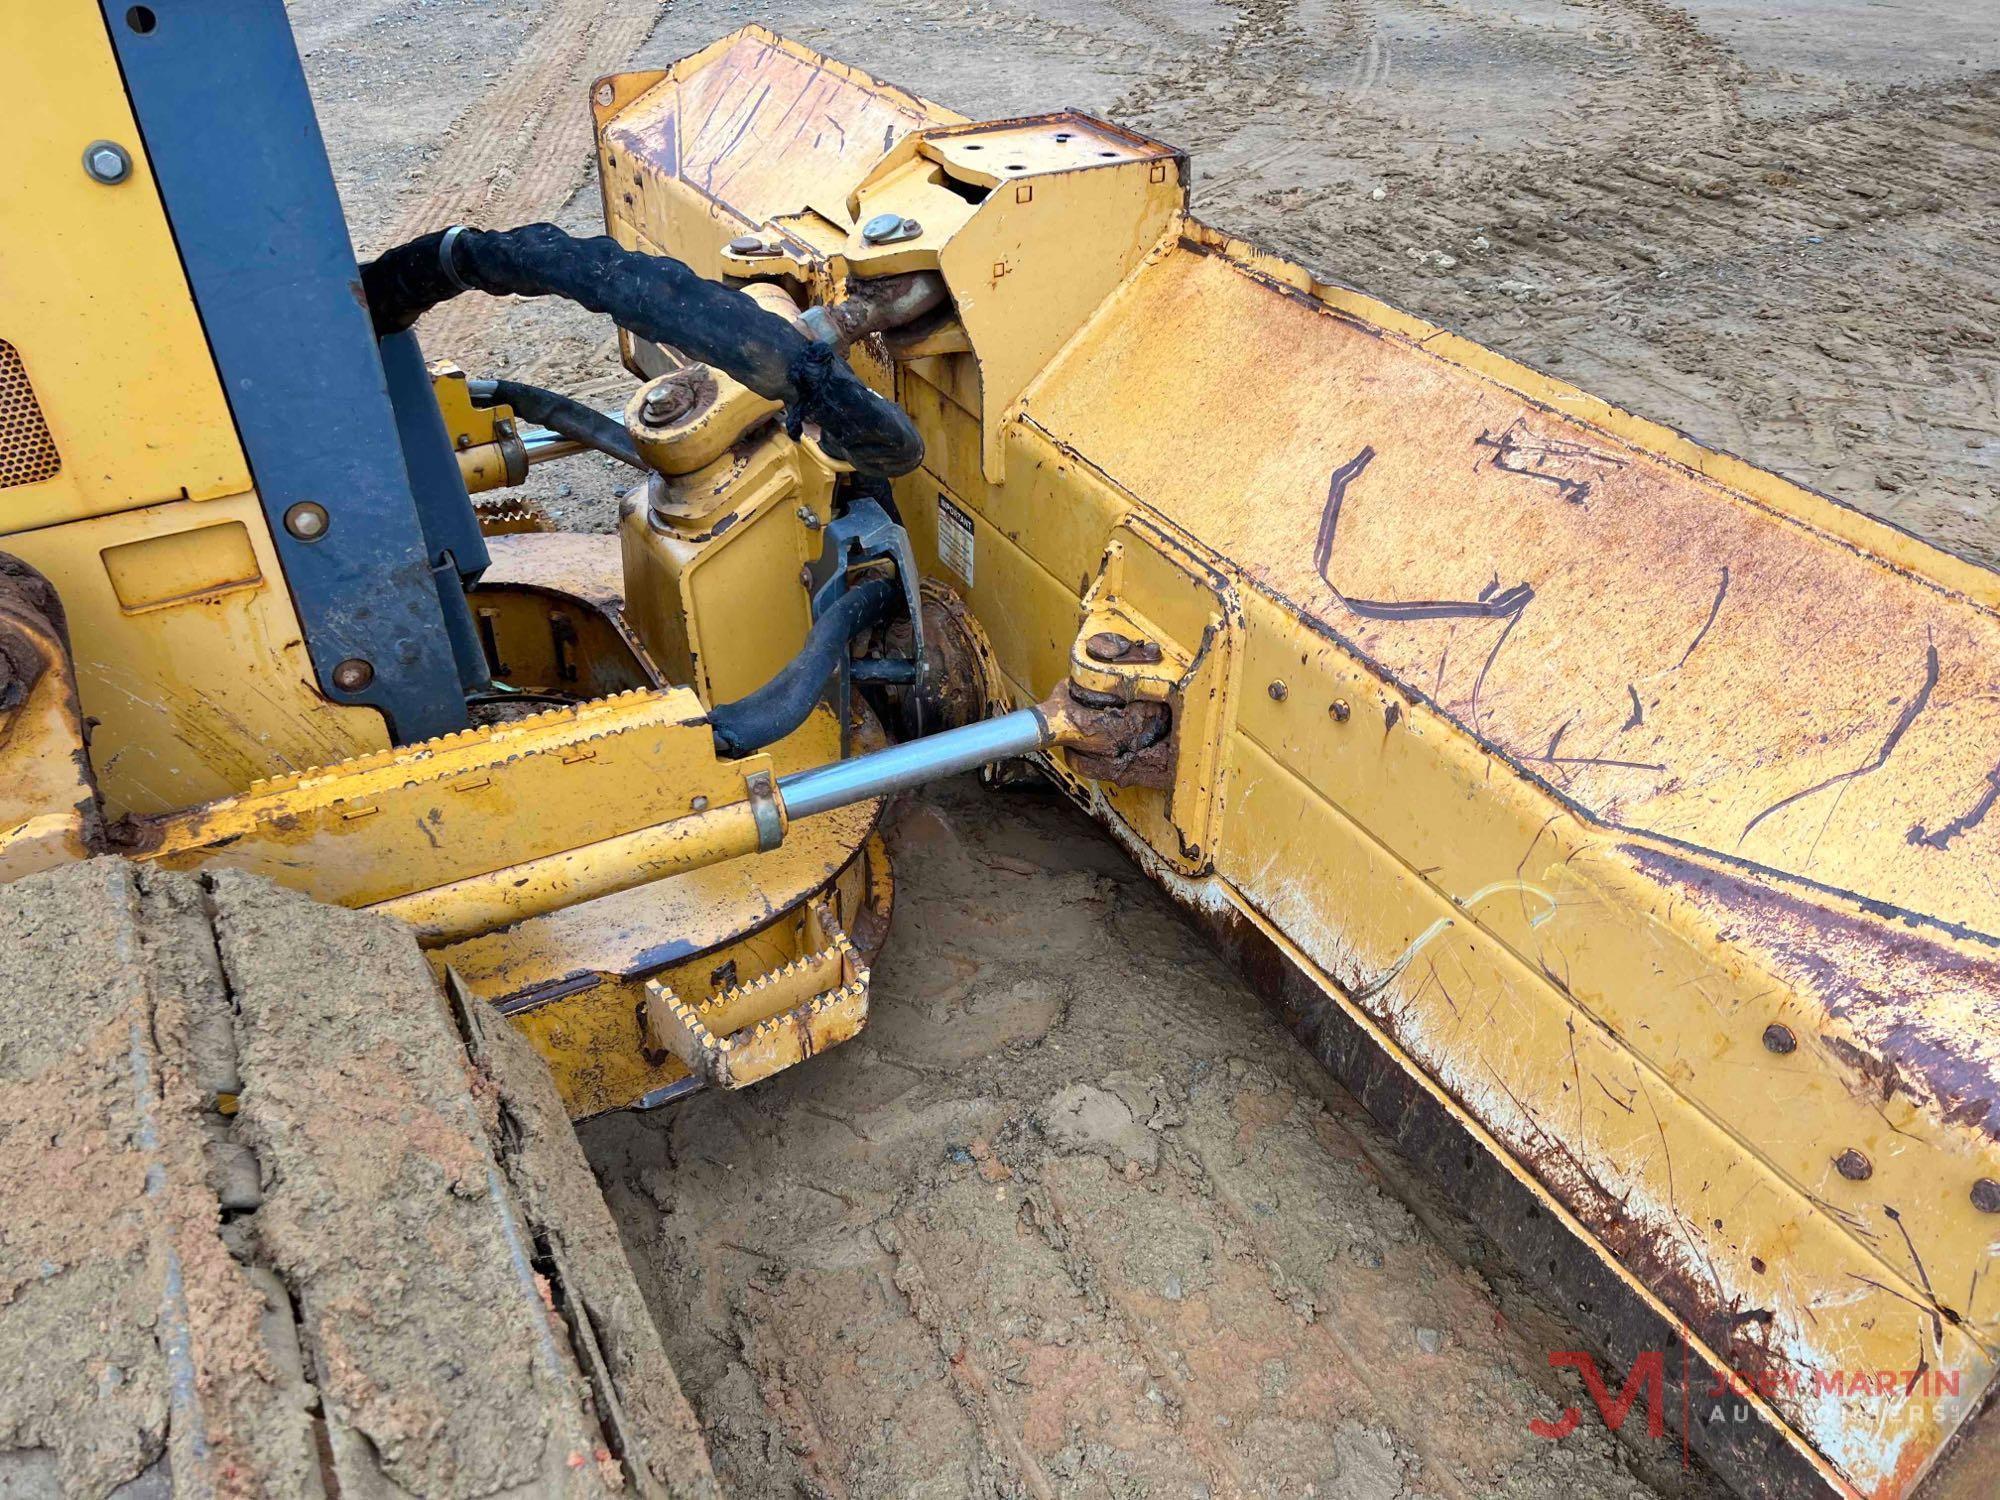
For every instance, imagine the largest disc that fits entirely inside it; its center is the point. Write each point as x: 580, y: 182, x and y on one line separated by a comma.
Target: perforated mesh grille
x: 27, y: 452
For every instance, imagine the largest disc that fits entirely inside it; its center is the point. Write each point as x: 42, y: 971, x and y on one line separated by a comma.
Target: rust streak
x: 1923, y: 1276
x: 1966, y: 821
x: 1914, y: 707
x: 1507, y: 603
x: 1597, y: 760
x: 1937, y: 1323
x: 1519, y: 454
x: 1714, y: 609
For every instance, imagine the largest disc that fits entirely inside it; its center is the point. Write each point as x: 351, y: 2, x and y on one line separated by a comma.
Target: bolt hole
x: 1107, y: 153
x: 1062, y: 135
x: 141, y: 19
x: 1014, y: 166
x: 975, y: 147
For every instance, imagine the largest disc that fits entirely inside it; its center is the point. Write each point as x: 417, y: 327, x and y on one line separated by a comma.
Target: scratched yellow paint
x: 1574, y: 760
x: 1663, y: 652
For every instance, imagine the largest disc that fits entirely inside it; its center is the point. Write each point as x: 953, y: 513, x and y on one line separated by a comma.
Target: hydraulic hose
x: 559, y: 413
x: 782, y: 704
x: 656, y: 298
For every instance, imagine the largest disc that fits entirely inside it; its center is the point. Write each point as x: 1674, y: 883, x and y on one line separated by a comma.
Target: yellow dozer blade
x: 1614, y: 818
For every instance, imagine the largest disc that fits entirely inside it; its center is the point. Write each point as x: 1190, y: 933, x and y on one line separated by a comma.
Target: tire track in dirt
x: 520, y: 152
x: 1693, y: 76
x: 1650, y: 63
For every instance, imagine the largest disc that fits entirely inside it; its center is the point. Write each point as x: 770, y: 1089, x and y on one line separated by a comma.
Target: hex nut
x: 1779, y: 1038
x: 1852, y: 1165
x: 107, y: 162
x: 1340, y: 711
x: 674, y: 398
x: 1278, y: 691
x: 1986, y: 1195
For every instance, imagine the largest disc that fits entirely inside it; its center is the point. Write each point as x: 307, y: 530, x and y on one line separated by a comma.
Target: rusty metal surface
x: 1124, y: 744
x: 1910, y: 1012
x: 961, y: 682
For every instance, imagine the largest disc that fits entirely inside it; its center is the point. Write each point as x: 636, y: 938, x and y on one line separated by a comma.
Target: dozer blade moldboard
x: 1615, y: 818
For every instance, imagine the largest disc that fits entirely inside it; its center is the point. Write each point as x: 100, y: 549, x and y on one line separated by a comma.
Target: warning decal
x: 954, y: 539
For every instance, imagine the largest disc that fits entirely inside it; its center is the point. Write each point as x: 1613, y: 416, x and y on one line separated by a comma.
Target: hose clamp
x: 445, y: 248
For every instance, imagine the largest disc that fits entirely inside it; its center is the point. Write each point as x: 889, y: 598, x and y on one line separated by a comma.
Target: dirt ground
x: 1074, y: 1217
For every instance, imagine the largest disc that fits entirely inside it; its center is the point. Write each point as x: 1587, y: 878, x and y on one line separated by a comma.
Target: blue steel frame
x: 229, y: 128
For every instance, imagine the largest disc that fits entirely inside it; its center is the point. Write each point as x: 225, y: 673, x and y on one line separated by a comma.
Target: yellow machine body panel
x: 1632, y: 803
x: 96, y: 302
x: 188, y: 653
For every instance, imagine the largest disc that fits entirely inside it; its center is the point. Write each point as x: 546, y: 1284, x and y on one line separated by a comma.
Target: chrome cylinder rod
x: 540, y: 445
x: 912, y: 764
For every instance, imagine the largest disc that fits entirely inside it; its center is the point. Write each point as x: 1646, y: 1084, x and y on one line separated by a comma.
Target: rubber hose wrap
x: 561, y: 414
x: 782, y: 704
x: 660, y: 299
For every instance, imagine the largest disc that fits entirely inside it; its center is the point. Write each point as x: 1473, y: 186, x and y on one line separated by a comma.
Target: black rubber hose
x: 656, y: 298
x: 782, y: 704
x: 559, y: 413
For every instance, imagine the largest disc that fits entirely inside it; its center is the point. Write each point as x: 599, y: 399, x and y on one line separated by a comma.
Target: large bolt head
x: 307, y: 521
x: 668, y: 402
x: 354, y: 674
x: 107, y: 162
x: 884, y: 228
